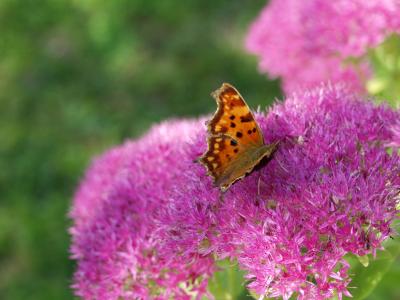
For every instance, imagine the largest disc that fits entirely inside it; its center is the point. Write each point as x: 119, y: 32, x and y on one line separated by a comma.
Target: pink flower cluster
x: 313, y: 41
x: 116, y: 211
x: 148, y: 223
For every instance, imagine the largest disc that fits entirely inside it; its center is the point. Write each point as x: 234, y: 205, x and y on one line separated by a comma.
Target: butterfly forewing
x: 234, y: 118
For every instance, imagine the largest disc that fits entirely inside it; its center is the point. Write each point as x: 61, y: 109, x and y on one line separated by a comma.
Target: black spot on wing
x: 246, y: 118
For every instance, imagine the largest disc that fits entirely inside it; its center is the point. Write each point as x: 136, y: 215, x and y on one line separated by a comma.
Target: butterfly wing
x: 235, y: 142
x: 234, y: 118
x: 228, y: 161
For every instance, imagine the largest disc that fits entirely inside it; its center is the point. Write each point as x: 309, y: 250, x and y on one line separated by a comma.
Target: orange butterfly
x: 235, y: 141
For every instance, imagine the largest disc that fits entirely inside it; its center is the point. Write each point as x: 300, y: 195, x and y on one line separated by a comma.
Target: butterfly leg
x: 221, y: 197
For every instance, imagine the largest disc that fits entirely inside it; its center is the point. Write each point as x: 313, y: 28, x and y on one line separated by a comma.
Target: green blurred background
x: 78, y: 77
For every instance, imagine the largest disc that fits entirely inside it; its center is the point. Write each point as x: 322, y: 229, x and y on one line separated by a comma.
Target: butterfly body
x: 235, y: 141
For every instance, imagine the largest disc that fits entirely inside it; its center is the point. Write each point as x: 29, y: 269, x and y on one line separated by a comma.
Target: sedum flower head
x: 115, y: 213
x: 309, y: 42
x: 329, y: 190
x: 148, y: 223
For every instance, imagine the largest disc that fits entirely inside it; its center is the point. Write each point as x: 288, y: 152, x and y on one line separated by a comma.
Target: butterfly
x: 235, y: 141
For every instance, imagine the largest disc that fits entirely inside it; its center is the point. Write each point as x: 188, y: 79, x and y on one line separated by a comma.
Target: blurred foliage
x: 228, y: 283
x: 376, y: 280
x: 77, y: 77
x: 385, y: 60
x: 366, y: 277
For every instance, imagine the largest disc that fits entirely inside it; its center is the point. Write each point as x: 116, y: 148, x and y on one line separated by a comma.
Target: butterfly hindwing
x: 222, y: 152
